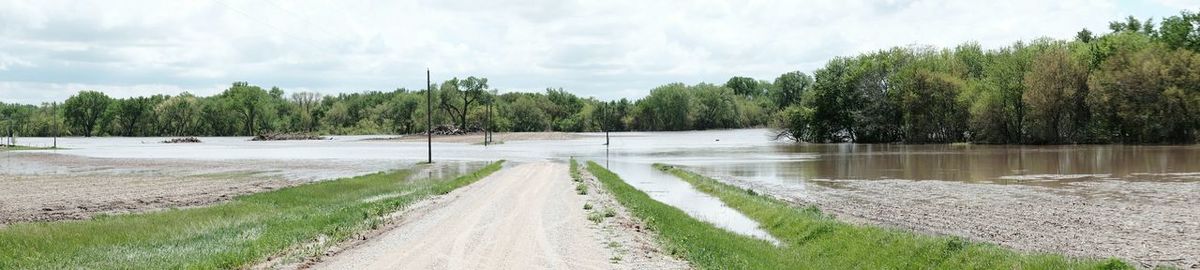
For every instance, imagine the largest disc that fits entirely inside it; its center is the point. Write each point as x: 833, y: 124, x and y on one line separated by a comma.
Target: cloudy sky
x: 608, y: 49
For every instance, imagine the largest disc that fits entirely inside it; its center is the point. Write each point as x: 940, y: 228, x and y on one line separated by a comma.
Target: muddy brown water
x: 970, y: 163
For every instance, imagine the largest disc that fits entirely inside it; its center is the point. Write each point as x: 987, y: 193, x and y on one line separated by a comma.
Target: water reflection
x: 670, y: 190
x: 967, y: 163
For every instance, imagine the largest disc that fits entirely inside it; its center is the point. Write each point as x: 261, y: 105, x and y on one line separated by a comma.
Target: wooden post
x: 429, y: 115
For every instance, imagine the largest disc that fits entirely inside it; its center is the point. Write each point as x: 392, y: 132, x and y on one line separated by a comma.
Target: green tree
x: 715, y: 107
x: 248, y: 102
x: 180, y: 114
x: 129, y: 114
x: 744, y: 86
x: 560, y: 105
x: 457, y: 96
x: 338, y: 117
x: 1148, y: 95
x: 789, y: 87
x: 400, y: 112
x: 828, y: 105
x: 1181, y: 31
x: 1056, y: 90
x: 931, y: 106
x: 1084, y: 36
x: 527, y: 115
x: 668, y: 107
x: 83, y: 110
x: 306, y: 104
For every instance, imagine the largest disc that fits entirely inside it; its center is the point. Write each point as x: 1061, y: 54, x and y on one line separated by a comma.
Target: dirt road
x: 524, y: 217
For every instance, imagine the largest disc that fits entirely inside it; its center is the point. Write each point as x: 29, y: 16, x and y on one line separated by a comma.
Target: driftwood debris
x: 285, y: 137
x: 183, y: 140
x: 452, y: 130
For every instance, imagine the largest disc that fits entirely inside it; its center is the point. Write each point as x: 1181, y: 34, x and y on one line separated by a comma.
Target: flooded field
x: 670, y: 190
x: 1134, y: 202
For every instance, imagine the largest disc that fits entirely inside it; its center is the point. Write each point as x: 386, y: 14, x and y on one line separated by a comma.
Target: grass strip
x: 812, y: 240
x: 824, y: 242
x: 702, y: 244
x: 234, y: 234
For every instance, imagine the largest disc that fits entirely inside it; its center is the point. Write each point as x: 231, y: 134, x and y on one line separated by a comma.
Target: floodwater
x: 749, y: 154
x: 668, y: 189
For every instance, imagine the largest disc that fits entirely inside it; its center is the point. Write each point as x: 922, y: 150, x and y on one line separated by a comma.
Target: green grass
x: 581, y: 189
x: 235, y: 234
x: 595, y: 217
x: 810, y: 239
x: 575, y: 174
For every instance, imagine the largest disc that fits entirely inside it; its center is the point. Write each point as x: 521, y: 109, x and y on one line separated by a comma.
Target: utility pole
x: 487, y: 130
x: 605, y: 124
x: 429, y: 114
x: 54, y: 114
x: 491, y: 123
x: 487, y: 121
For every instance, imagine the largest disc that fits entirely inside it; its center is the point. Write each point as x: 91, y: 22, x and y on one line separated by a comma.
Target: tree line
x: 244, y: 110
x: 1139, y: 83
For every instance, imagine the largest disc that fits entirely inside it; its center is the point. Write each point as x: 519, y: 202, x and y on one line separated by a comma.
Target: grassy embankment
x: 810, y: 239
x: 235, y: 234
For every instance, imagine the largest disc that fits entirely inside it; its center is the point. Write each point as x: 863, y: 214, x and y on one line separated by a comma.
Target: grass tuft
x: 609, y: 212
x: 575, y: 174
x: 595, y: 217
x: 235, y: 234
x: 581, y: 189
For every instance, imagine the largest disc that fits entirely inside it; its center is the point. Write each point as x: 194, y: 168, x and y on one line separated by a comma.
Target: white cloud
x: 1180, y: 4
x: 609, y: 49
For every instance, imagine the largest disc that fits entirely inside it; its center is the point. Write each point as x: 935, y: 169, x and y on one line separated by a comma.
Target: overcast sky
x: 608, y: 49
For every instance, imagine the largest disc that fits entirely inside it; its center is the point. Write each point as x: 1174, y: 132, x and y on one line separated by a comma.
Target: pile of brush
x: 286, y: 137
x: 183, y: 140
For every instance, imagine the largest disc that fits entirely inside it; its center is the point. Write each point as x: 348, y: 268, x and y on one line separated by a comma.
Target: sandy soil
x: 523, y: 217
x: 498, y: 137
x: 48, y: 187
x: 1147, y: 223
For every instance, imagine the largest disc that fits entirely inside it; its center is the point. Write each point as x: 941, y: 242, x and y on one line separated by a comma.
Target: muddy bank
x: 50, y: 187
x: 497, y: 137
x: 1146, y: 223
